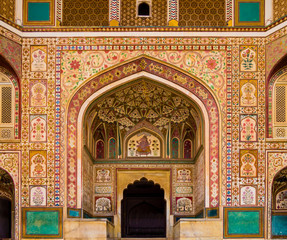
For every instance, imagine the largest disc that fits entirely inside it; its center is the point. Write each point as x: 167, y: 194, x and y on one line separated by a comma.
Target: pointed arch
x: 158, y: 71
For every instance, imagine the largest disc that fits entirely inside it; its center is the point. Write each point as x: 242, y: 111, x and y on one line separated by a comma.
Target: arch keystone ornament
x: 132, y: 70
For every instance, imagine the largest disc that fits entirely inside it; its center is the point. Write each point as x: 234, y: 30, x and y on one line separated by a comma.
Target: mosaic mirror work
x: 243, y: 222
x: 144, y: 144
x: 42, y: 222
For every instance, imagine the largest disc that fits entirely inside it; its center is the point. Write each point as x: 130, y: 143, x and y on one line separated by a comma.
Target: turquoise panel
x: 38, y: 11
x: 74, y: 213
x: 243, y: 222
x: 249, y: 11
x: 42, y: 223
x: 279, y: 225
x: 212, y: 213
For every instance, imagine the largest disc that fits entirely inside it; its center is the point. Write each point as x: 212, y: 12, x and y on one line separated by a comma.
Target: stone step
x: 143, y: 238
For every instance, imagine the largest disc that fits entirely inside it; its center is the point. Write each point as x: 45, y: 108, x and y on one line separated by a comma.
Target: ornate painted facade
x: 183, y: 106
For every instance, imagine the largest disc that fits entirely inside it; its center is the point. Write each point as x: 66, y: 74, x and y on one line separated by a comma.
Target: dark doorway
x: 5, y: 218
x: 143, y: 210
x: 6, y: 204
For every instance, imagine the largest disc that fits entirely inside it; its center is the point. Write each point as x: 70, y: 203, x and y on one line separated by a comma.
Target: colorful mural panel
x: 144, y: 144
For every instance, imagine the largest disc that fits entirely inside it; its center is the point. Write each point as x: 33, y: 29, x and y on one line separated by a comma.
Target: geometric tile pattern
x: 279, y: 9
x: 202, y: 13
x: 85, y: 13
x: 7, y: 9
x: 129, y: 14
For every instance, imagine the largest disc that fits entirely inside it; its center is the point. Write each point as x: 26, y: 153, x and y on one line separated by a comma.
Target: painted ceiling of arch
x: 145, y: 101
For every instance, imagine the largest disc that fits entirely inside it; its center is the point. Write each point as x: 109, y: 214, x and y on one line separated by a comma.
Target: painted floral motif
x: 38, y: 91
x: 38, y: 196
x: 248, y: 163
x: 248, y: 195
x: 12, y: 52
x: 248, y: 95
x: 248, y: 126
x: 78, y: 66
x: 248, y: 58
x: 38, y: 128
x: 38, y: 58
x: 38, y: 165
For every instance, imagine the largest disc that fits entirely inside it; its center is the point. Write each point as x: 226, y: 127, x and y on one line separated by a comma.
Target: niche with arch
x: 142, y: 122
x: 144, y: 9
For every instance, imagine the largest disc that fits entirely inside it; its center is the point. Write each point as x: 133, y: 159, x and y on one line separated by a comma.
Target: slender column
x: 172, y: 12
x: 268, y: 12
x: 114, y: 12
x: 18, y: 12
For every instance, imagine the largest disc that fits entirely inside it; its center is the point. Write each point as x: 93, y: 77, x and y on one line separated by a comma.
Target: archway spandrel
x: 157, y: 69
x: 80, y: 66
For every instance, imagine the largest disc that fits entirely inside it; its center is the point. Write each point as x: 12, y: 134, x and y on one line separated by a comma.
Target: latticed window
x: 6, y: 108
x: 280, y: 108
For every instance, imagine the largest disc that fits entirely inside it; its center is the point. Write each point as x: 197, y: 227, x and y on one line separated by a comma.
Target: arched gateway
x: 143, y: 119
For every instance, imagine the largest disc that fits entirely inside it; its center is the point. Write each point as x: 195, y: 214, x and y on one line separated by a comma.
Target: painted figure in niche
x: 248, y: 129
x: 103, y: 175
x: 143, y: 147
x: 112, y: 148
x: 38, y: 97
x: 38, y: 129
x: 100, y: 149
x: 248, y: 97
x: 174, y: 148
x: 248, y: 195
x: 184, y: 175
x: 187, y: 149
x: 248, y: 168
x: 248, y: 60
x: 184, y: 205
x: 38, y: 60
x: 281, y: 200
x: 103, y: 204
x: 38, y: 166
